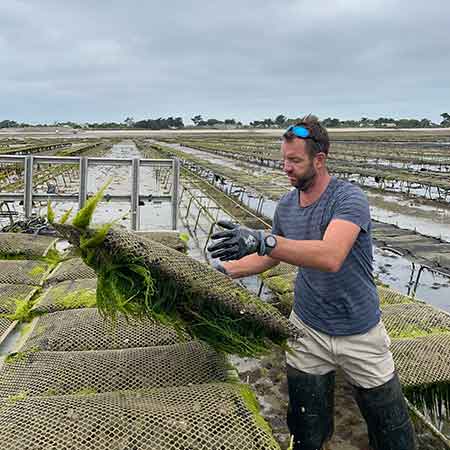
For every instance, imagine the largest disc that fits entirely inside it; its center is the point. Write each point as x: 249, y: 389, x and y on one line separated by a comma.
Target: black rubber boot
x: 310, y: 414
x: 386, y: 413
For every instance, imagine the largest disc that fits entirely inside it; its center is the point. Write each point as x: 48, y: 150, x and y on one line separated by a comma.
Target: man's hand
x: 236, y: 242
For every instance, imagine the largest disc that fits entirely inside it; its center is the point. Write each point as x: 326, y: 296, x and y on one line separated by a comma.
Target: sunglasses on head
x: 302, y: 132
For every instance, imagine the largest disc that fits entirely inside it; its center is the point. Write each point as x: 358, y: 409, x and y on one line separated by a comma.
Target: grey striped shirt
x: 342, y: 303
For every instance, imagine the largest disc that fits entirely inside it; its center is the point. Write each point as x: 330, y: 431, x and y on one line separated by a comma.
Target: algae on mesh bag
x: 142, y: 278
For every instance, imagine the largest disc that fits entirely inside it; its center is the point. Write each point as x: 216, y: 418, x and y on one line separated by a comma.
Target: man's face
x: 297, y: 164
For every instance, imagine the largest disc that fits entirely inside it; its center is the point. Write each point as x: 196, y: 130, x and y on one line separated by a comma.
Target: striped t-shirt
x: 342, y: 303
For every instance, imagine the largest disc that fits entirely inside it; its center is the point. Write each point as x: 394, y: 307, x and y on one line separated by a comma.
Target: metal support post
x: 28, y: 191
x: 135, y: 194
x: 175, y: 184
x: 84, y: 165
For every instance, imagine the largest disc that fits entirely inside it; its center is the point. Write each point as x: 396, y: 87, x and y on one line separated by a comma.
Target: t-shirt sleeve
x: 353, y: 206
x: 276, y: 228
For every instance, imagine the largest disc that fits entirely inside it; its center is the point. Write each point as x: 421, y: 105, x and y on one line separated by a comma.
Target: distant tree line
x: 200, y: 122
x: 280, y: 121
x: 152, y: 124
x: 382, y: 122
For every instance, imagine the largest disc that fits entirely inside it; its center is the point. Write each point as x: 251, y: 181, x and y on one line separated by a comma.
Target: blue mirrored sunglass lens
x: 300, y: 132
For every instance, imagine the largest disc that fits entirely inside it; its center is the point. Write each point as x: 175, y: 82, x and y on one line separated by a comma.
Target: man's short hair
x: 320, y: 142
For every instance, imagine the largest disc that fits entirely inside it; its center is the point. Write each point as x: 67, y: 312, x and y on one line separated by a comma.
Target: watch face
x: 271, y: 241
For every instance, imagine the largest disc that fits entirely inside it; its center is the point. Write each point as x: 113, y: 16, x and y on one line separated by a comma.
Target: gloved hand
x: 236, y: 242
x: 219, y: 267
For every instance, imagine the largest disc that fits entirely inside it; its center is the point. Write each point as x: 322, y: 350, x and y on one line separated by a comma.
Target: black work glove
x: 236, y: 242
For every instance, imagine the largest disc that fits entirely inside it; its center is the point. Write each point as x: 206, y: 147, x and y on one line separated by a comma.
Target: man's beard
x: 306, y: 181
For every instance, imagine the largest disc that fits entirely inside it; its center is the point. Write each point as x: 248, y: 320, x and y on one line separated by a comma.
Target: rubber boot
x: 310, y: 415
x: 386, y: 413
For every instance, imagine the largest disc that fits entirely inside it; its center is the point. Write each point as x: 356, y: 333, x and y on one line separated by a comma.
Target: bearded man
x: 323, y: 226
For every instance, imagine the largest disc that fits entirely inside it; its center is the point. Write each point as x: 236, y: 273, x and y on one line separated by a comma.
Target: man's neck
x: 308, y: 197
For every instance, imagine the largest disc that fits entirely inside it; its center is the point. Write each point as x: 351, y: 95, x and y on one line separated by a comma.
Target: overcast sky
x: 98, y: 60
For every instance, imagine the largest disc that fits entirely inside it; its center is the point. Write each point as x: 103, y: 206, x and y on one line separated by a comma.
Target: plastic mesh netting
x: 390, y: 296
x: 183, y: 288
x: 22, y: 272
x: 203, y: 417
x: 23, y: 245
x: 85, y: 329
x: 167, y: 238
x: 423, y: 365
x: 281, y: 284
x: 55, y: 373
x: 280, y: 269
x: 414, y: 320
x: 4, y: 325
x: 72, y: 269
x: 422, y: 360
x: 9, y: 293
x: 70, y: 294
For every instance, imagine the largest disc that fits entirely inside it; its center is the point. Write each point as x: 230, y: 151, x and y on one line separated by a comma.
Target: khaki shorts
x: 364, y: 358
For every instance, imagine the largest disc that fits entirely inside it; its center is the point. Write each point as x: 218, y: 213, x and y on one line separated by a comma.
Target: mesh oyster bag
x: 69, y: 294
x: 391, y: 296
x: 281, y: 284
x: 4, y: 325
x: 280, y: 269
x: 55, y: 373
x: 22, y: 272
x: 423, y: 365
x: 11, y: 293
x: 86, y: 329
x: 24, y: 245
x: 200, y: 417
x: 414, y: 319
x: 170, y: 286
x: 72, y: 269
x: 170, y: 239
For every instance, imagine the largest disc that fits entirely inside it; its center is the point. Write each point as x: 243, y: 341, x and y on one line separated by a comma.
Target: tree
x: 8, y: 124
x: 329, y: 122
x: 280, y: 120
x: 445, y: 120
x: 197, y: 120
x: 129, y: 122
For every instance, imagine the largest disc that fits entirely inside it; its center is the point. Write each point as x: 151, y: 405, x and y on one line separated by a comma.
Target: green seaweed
x: 20, y: 396
x: 17, y: 357
x: 50, y: 212
x: 65, y: 216
x: 81, y: 298
x: 97, y: 239
x: 252, y: 405
x: 184, y: 237
x: 36, y: 271
x: 84, y: 215
x: 85, y: 392
x: 280, y: 284
x: 414, y: 331
x: 23, y: 311
x: 125, y: 286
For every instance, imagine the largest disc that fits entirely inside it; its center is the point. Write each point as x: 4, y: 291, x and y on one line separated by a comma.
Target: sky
x: 100, y: 61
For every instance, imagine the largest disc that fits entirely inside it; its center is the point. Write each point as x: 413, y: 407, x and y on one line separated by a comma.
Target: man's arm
x: 327, y: 255
x: 249, y: 265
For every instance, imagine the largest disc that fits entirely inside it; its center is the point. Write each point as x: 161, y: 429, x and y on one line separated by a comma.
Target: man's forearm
x: 313, y: 254
x: 249, y: 265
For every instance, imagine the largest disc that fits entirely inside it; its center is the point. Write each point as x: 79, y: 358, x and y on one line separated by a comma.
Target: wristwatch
x: 270, y: 242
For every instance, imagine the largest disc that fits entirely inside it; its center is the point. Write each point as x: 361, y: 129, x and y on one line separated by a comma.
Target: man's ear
x: 319, y: 160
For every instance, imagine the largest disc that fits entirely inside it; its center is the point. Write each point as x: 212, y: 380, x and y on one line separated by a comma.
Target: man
x: 324, y: 227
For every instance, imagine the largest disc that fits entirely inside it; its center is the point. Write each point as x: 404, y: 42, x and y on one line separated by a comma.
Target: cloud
x: 106, y: 60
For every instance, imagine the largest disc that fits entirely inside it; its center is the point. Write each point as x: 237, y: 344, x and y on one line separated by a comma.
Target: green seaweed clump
x: 81, y: 298
x: 23, y: 311
x: 126, y: 285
